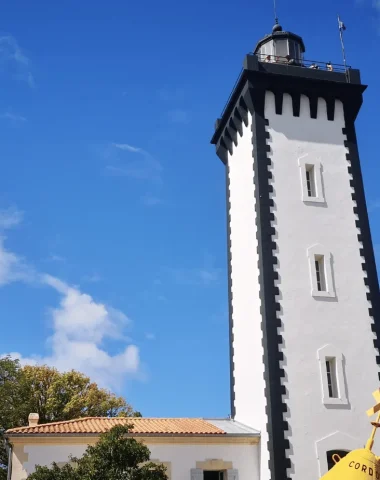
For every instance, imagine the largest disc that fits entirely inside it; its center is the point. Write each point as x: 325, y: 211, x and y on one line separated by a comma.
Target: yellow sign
x: 361, y: 464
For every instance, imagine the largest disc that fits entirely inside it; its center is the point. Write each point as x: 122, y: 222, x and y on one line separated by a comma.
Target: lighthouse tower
x: 303, y: 287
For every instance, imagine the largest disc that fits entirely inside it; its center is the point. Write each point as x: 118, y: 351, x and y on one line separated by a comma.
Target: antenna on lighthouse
x: 342, y: 28
x: 275, y: 12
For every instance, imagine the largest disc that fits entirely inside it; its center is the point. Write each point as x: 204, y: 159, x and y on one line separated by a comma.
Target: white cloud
x: 128, y: 148
x: 12, y: 266
x: 14, y: 118
x: 14, y: 61
x: 80, y: 327
x: 10, y: 217
x: 8, y: 264
x: 80, y: 324
x: 143, y: 166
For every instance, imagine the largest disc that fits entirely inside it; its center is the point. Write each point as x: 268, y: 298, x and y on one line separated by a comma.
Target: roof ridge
x: 137, y: 418
x: 166, y: 426
x: 85, y: 419
x: 59, y: 422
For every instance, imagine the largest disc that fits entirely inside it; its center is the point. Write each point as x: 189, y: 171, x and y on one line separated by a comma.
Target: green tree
x: 10, y: 373
x: 53, y: 395
x: 114, y: 457
x: 59, y: 396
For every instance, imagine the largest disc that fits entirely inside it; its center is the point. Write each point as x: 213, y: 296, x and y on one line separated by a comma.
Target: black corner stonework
x: 273, y: 373
x: 364, y: 235
x: 253, y: 102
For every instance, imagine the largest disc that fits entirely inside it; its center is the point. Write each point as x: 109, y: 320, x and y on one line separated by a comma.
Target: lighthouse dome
x: 280, y: 46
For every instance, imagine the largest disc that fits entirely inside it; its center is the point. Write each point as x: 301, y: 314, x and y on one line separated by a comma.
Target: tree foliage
x: 9, y: 416
x: 114, y: 457
x: 53, y: 395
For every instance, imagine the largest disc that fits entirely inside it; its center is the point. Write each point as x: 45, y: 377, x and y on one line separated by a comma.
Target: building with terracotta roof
x: 304, y: 297
x: 188, y: 447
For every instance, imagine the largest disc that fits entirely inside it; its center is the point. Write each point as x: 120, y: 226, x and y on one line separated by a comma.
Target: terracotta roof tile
x: 141, y: 425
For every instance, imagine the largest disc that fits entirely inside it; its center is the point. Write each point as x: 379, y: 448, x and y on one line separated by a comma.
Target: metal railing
x: 315, y: 64
x: 312, y: 64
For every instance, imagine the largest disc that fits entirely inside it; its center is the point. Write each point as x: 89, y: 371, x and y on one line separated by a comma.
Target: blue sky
x: 112, y: 200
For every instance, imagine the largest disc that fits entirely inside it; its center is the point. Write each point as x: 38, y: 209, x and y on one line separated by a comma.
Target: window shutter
x: 196, y: 474
x: 232, y: 474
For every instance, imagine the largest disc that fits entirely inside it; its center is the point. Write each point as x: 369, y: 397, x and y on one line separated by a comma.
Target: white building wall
x: 248, y: 351
x: 310, y: 323
x: 183, y: 458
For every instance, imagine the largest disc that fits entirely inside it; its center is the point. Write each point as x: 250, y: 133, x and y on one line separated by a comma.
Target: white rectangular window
x: 320, y: 273
x: 331, y: 376
x: 310, y: 181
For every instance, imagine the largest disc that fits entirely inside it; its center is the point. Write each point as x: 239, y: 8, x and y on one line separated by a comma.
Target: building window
x: 332, y: 376
x: 321, y: 274
x: 214, y: 475
x: 311, y: 179
x: 337, y: 453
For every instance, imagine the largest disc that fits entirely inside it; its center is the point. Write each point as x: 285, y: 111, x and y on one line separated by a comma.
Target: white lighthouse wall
x: 248, y: 369
x: 310, y: 323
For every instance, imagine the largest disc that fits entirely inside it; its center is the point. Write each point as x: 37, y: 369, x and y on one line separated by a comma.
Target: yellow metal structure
x: 360, y: 464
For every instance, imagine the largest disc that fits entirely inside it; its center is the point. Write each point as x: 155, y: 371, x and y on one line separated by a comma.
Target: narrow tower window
x: 320, y: 273
x: 334, y: 389
x: 310, y: 181
x: 332, y: 383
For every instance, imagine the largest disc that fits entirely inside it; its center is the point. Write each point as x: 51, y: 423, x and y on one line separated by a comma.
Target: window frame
x: 332, y: 386
x: 320, y: 272
x: 304, y: 163
x: 313, y: 253
x: 209, y: 465
x: 324, y: 354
